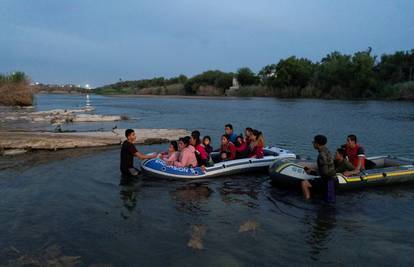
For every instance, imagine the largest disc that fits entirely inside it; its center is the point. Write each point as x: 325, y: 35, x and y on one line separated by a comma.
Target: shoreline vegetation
x: 336, y: 76
x: 15, y: 90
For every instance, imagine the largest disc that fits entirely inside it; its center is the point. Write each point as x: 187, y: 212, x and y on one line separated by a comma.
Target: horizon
x: 80, y: 43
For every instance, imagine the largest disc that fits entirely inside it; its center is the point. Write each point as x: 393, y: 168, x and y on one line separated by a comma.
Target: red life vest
x: 354, y: 154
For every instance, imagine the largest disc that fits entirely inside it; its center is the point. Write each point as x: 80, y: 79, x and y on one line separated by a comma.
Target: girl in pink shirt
x: 172, y: 154
x: 187, y: 156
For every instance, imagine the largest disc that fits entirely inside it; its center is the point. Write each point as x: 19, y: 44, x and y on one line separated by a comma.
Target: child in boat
x: 256, y: 144
x: 206, y: 144
x: 247, y: 133
x: 242, y: 150
x: 200, y: 152
x: 187, y: 156
x: 172, y: 154
x: 227, y: 149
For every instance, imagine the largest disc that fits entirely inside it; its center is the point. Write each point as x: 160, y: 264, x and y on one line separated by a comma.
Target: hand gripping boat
x: 158, y: 168
x: 385, y: 170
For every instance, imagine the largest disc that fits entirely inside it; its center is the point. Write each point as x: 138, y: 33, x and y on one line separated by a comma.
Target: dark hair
x: 229, y: 125
x: 226, y: 136
x: 341, y: 151
x: 352, y: 137
x: 320, y: 140
x: 196, y: 135
x: 185, y: 140
x: 256, y: 133
x: 128, y: 132
x: 207, y: 137
x: 249, y: 129
x: 175, y: 145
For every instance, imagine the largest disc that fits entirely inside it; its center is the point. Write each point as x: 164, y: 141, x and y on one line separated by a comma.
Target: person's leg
x: 330, y: 191
x: 305, y: 189
x: 134, y: 172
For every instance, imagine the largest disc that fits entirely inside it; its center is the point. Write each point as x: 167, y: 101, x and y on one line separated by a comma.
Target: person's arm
x: 357, y: 169
x: 142, y: 156
x: 259, y: 152
x: 310, y: 171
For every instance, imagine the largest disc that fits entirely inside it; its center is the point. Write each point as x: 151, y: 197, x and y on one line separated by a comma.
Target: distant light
x: 37, y: 83
x: 87, y: 86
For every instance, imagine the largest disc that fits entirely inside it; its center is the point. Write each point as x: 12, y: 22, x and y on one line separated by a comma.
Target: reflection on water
x: 197, y: 234
x: 320, y: 227
x: 51, y: 255
x: 190, y: 198
x: 129, y: 189
x: 241, y: 191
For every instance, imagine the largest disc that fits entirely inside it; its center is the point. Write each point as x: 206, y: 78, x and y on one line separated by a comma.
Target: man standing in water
x: 128, y: 152
x: 326, y: 169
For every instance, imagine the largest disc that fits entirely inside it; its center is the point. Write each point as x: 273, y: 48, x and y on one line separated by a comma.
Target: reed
x: 15, y: 90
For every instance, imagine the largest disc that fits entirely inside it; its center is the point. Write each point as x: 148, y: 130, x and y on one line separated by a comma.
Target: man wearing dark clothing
x: 128, y: 152
x: 326, y: 169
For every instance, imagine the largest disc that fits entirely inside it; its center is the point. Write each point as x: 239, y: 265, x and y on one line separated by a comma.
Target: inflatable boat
x: 384, y: 170
x: 158, y: 168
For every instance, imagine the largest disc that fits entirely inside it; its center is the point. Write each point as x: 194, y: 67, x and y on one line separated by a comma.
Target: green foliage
x: 337, y: 76
x: 14, y: 77
x: 364, y: 81
x: 214, y: 78
x: 294, y: 72
x: 396, y: 68
x: 335, y: 70
x: 132, y: 87
x: 246, y: 76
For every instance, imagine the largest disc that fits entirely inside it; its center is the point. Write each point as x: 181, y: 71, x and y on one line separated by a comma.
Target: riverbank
x: 12, y: 143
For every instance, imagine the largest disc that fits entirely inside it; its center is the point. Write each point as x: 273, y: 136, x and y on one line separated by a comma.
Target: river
x: 69, y: 205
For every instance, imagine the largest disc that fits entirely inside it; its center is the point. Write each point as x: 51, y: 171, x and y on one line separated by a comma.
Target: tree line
x: 337, y: 75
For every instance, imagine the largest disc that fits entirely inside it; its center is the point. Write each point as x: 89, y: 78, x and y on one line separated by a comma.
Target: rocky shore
x: 12, y: 143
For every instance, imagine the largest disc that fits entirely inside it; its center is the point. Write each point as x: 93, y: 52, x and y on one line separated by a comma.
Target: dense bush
x: 15, y: 90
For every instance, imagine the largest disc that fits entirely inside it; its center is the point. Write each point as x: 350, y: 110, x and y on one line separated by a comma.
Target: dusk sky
x: 99, y: 42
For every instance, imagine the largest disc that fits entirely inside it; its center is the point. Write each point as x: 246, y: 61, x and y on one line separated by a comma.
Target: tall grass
x: 15, y: 90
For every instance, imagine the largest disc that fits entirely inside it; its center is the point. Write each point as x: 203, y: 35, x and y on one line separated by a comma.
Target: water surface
x: 70, y: 203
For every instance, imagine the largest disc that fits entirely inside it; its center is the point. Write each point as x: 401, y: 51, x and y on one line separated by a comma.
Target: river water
x: 69, y: 205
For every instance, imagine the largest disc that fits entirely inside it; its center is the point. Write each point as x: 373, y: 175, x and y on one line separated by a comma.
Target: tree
x: 246, y: 76
x: 397, y: 67
x: 335, y: 70
x: 294, y: 72
x: 364, y: 78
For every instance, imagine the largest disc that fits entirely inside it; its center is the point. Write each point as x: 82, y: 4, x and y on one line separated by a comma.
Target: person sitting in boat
x: 256, y: 144
x: 227, y: 149
x: 128, y: 152
x: 187, y: 156
x: 342, y: 164
x: 242, y: 150
x: 247, y: 133
x: 172, y: 154
x: 206, y: 143
x: 200, y: 152
x: 355, y: 154
x: 228, y: 129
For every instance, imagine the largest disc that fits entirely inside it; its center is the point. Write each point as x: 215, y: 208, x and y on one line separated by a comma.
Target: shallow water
x: 72, y: 200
